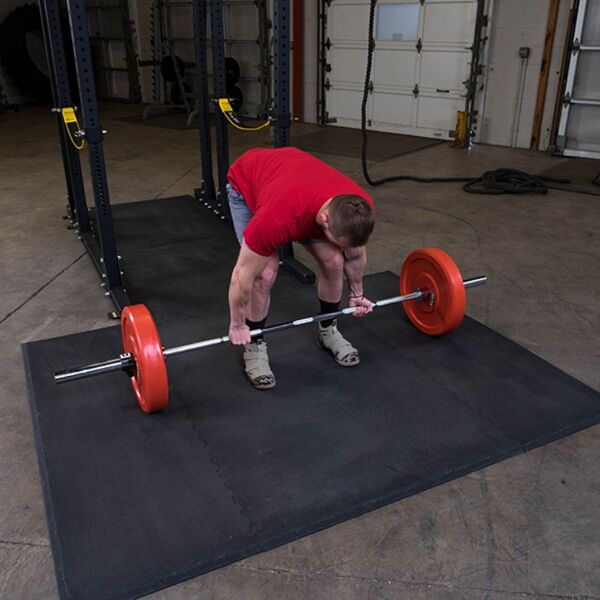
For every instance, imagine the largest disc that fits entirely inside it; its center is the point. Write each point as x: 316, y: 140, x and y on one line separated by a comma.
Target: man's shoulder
x: 286, y: 151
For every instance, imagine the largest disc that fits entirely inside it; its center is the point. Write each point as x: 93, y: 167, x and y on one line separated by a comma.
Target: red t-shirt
x: 285, y: 188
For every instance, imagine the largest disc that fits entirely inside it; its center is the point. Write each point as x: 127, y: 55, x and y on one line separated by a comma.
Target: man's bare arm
x: 354, y: 269
x: 248, y: 266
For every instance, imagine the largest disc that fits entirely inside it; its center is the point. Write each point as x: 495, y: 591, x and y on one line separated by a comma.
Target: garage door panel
x: 392, y: 109
x: 435, y: 112
x: 590, y: 35
x: 180, y: 22
x: 251, y: 93
x: 583, y: 131
x: 184, y: 51
x: 117, y: 54
x: 114, y: 84
x: 242, y: 23
x: 345, y: 103
x: 347, y: 65
x: 394, y: 68
x: 247, y: 57
x: 587, y: 79
x: 448, y: 22
x: 348, y: 21
x: 444, y: 70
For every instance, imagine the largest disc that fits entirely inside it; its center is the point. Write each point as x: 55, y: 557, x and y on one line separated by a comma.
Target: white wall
x: 11, y: 91
x: 515, y: 24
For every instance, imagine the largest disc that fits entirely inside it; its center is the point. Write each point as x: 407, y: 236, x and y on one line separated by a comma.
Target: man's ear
x: 325, y: 219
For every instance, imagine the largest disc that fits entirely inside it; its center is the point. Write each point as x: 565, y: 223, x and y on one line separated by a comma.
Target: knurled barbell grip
x: 289, y: 324
x: 127, y: 361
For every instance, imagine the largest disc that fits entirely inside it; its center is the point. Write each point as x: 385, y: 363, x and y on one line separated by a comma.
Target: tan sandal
x: 256, y: 365
x: 331, y: 340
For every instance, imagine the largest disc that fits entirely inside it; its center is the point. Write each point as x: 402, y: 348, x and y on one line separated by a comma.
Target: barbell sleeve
x: 124, y: 362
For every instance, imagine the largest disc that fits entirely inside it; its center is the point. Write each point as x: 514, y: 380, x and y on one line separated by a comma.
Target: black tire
x: 232, y: 71
x: 236, y: 97
x: 175, y: 94
x: 23, y: 54
x: 167, y: 68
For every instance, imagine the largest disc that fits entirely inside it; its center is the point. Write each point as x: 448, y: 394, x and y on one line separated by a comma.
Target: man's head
x: 347, y: 220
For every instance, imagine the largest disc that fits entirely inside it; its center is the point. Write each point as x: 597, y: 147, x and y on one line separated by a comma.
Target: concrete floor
x: 528, y: 527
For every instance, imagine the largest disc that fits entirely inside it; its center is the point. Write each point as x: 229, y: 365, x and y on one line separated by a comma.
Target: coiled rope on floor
x: 511, y: 181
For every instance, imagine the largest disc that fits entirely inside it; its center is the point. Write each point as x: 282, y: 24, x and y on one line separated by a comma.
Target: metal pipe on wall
x: 524, y: 54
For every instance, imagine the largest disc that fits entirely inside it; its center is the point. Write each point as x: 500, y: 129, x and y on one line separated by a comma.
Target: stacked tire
x: 23, y: 54
x: 232, y: 76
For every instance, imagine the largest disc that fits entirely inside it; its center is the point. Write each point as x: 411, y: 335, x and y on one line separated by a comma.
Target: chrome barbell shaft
x: 127, y: 361
x: 289, y: 324
x: 416, y: 295
x: 475, y: 281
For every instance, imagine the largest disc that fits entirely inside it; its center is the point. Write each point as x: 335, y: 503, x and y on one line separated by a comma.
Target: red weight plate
x: 140, y: 338
x: 434, y: 270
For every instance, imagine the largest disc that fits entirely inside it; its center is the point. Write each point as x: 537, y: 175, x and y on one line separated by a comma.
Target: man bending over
x: 283, y: 195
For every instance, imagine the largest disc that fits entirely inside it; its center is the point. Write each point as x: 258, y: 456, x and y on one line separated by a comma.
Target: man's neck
x: 319, y: 217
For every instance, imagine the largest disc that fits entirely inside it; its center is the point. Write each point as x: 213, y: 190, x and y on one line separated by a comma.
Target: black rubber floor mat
x: 177, y: 257
x: 136, y: 503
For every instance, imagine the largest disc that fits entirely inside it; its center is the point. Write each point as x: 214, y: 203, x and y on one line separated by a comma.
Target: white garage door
x: 421, y: 61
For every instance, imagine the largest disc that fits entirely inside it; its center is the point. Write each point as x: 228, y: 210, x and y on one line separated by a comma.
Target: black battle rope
x: 510, y: 181
x: 363, y: 121
x: 499, y: 181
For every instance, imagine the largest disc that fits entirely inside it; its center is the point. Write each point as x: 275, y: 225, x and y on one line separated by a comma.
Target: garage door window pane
x: 583, y: 130
x: 591, y: 26
x: 587, y: 81
x: 397, y: 22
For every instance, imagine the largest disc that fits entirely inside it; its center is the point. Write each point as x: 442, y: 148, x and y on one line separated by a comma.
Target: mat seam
x: 252, y: 523
x: 367, y: 506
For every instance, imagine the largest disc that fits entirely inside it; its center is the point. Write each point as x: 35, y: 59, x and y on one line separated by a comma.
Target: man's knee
x: 333, y: 265
x: 264, y: 282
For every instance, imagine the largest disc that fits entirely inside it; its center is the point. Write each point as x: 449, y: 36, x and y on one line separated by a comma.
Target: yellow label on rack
x: 68, y: 115
x: 225, y: 105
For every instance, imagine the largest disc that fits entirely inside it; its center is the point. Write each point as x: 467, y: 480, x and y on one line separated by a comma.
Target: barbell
x: 431, y: 285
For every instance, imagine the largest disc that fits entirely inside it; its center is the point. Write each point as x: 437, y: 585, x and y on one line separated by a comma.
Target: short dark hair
x: 351, y: 216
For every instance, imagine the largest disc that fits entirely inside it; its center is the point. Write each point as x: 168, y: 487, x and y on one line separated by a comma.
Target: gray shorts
x: 241, y: 215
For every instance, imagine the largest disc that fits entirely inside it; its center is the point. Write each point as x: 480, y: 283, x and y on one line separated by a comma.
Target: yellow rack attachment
x: 72, y: 126
x: 233, y: 119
